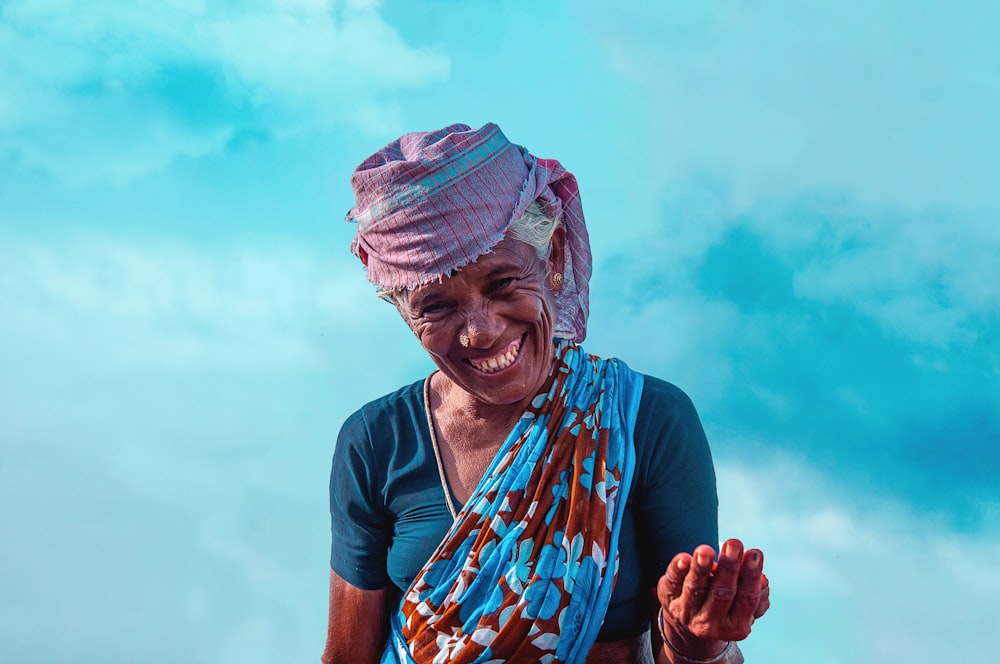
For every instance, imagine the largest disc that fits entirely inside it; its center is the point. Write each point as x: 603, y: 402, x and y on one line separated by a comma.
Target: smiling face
x: 504, y: 305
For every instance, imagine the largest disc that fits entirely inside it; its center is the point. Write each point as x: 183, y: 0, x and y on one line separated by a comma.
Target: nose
x: 483, y: 327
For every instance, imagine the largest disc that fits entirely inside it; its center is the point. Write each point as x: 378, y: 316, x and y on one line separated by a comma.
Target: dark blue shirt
x: 388, y: 509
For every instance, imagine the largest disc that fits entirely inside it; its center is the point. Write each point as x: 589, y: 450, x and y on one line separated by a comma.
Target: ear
x: 557, y: 251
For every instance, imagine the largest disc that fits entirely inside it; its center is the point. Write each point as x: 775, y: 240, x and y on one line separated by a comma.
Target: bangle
x: 685, y: 659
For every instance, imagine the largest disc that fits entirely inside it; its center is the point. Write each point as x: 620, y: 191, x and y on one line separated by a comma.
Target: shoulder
x: 661, y: 402
x: 667, y: 421
x: 659, y: 398
x: 382, y: 423
x: 656, y: 392
x: 664, y: 398
x: 674, y: 468
x: 401, y: 402
x: 371, y: 438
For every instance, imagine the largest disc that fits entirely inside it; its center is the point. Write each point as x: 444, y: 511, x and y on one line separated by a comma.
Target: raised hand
x: 713, y: 601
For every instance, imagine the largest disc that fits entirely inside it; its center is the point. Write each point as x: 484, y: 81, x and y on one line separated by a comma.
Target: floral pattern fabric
x: 526, y: 572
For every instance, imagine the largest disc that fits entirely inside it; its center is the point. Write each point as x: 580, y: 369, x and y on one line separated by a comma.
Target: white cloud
x: 168, y: 306
x: 169, y: 414
x: 677, y: 337
x: 855, y: 141
x: 308, y: 59
x: 922, y: 277
x: 890, y: 103
x: 112, y: 91
x: 855, y: 579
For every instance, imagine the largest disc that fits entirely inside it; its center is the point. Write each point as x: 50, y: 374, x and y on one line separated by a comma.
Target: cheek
x: 424, y: 333
x: 535, y: 309
x: 435, y: 339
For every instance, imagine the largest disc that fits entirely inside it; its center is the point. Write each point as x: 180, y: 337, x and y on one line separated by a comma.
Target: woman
x: 526, y: 501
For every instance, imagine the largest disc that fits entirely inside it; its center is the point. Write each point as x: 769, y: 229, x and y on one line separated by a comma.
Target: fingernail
x: 731, y: 551
x: 704, y: 559
x: 683, y: 564
x: 754, y: 559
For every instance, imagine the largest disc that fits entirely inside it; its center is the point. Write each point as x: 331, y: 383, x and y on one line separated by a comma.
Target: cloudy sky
x: 795, y: 218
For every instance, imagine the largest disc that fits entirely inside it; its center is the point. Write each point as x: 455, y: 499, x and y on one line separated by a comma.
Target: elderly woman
x: 526, y: 502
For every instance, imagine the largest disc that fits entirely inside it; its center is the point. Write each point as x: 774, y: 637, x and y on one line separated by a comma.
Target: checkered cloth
x: 432, y: 202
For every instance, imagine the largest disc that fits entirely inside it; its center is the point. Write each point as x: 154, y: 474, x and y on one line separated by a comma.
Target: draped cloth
x: 430, y: 203
x: 526, y: 571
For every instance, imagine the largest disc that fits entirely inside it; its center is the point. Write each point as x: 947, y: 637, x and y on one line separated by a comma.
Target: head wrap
x: 432, y: 202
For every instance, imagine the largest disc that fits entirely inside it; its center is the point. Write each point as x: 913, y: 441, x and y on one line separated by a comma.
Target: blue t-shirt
x: 388, y: 509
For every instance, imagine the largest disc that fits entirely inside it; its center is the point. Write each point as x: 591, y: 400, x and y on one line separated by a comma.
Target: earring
x: 464, y: 340
x: 557, y: 280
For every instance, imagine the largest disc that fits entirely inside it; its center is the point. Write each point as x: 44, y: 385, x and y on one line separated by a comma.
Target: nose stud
x: 557, y: 280
x: 464, y: 340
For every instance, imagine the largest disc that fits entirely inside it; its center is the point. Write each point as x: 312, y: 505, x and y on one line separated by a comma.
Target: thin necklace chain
x: 437, y: 450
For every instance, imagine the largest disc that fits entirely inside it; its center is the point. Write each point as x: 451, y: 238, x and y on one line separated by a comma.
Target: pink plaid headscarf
x: 432, y: 202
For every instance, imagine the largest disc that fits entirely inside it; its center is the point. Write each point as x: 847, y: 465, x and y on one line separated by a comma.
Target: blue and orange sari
x: 527, y: 569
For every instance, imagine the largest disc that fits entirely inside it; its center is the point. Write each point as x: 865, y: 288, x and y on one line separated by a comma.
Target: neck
x: 468, y: 422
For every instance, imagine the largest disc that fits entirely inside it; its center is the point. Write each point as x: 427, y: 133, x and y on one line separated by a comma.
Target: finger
x: 723, y: 584
x: 765, y: 597
x: 671, y: 584
x: 748, y: 593
x: 697, y: 581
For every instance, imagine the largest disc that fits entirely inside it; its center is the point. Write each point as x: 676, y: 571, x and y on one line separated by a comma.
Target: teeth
x: 499, y: 362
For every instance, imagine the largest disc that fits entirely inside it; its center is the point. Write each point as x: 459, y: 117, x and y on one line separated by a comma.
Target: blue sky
x: 794, y: 215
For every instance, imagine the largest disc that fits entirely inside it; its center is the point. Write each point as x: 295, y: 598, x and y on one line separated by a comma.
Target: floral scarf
x: 526, y: 571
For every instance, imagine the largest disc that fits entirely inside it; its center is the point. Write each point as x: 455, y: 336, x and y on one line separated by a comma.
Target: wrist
x: 683, y: 647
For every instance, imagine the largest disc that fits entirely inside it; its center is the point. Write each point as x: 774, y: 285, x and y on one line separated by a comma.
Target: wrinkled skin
x: 705, y: 604
x: 503, y: 297
x: 502, y: 303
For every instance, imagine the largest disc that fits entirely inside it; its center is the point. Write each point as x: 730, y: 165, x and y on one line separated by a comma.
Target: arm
x: 678, y: 510
x: 358, y: 623
x: 360, y: 534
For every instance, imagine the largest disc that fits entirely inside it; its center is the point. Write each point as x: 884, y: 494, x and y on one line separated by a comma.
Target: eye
x: 501, y: 286
x: 435, y: 308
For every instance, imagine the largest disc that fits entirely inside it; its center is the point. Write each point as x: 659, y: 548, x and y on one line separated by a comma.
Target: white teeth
x: 499, y: 362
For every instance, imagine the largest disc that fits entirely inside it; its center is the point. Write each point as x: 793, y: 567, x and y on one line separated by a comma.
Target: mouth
x: 501, y: 361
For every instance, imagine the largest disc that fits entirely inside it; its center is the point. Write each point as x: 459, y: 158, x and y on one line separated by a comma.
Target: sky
x: 794, y: 217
